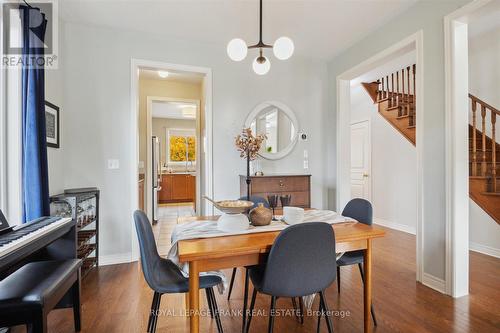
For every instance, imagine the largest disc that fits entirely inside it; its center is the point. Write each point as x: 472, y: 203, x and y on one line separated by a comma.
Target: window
x: 181, y: 145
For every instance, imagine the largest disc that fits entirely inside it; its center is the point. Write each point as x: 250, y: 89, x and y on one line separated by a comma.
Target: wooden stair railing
x: 395, y: 96
x: 483, y: 150
x: 395, y: 105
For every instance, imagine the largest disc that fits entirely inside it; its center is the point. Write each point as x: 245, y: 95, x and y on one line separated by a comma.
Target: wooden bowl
x: 232, y: 206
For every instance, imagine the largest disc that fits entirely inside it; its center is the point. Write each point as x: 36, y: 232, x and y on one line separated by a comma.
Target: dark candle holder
x: 273, y: 203
x: 248, y: 180
x: 285, y: 200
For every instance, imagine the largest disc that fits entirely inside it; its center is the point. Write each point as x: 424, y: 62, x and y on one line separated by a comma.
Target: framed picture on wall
x: 52, y: 124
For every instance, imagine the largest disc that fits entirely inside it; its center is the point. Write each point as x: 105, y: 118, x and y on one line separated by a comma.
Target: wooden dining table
x: 209, y: 254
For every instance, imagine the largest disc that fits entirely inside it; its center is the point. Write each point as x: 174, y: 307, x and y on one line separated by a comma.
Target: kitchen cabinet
x: 177, y: 188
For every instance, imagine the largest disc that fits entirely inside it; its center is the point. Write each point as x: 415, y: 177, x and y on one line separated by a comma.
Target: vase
x: 260, y: 215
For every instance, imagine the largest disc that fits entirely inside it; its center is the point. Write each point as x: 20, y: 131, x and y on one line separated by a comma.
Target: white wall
x: 484, y: 73
x: 484, y: 232
x: 484, y: 69
x: 428, y: 17
x: 484, y: 82
x: 98, y: 121
x: 394, y: 166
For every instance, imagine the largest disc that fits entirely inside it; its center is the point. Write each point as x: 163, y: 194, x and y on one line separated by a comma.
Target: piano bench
x: 31, y: 292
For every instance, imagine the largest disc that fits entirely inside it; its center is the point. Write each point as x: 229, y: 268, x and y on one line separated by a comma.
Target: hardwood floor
x: 117, y: 299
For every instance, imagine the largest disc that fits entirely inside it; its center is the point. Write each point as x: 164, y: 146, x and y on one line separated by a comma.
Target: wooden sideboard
x: 298, y: 186
x: 177, y: 188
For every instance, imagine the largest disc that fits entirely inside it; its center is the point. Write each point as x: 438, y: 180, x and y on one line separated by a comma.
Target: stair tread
x: 483, y: 177
x: 393, y: 108
x: 495, y: 194
x: 487, y: 162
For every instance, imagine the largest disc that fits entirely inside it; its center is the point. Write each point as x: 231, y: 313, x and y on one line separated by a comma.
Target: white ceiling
x: 399, y: 61
x: 173, y: 110
x: 188, y: 77
x: 485, y: 20
x: 320, y: 29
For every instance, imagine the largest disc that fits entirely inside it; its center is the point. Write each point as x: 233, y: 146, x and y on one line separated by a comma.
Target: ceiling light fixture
x: 283, y: 49
x: 163, y: 74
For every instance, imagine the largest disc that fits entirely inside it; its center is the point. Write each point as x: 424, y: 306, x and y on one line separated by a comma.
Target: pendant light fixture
x: 283, y: 49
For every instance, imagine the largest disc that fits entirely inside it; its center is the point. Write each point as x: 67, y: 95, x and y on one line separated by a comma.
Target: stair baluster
x: 483, y: 143
x: 393, y: 102
x: 413, y: 99
x: 387, y: 86
x: 409, y: 96
x: 474, y: 138
x: 493, y: 151
x: 403, y: 92
x: 379, y: 91
x: 398, y: 99
x: 383, y: 92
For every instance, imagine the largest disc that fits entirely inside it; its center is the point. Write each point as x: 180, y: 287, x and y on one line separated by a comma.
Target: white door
x: 360, y: 160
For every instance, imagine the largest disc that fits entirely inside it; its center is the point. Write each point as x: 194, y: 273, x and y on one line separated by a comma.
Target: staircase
x: 484, y: 168
x: 395, y: 96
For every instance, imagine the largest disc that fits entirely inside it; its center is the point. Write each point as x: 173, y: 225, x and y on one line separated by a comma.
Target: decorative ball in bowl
x: 232, y: 206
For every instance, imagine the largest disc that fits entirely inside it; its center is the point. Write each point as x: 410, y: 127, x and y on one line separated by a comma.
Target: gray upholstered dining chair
x: 165, y: 277
x: 301, y: 262
x: 361, y: 210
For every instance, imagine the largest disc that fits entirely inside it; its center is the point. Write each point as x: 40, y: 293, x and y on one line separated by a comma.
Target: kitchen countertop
x: 193, y: 173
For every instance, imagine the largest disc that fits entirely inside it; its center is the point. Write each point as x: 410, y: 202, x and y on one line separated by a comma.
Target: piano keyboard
x: 25, y: 234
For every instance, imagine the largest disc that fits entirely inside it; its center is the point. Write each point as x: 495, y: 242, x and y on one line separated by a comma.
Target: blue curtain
x: 35, y: 176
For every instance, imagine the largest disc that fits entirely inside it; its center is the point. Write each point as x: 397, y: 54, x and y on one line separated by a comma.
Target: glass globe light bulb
x: 261, y: 65
x: 237, y: 49
x: 283, y: 48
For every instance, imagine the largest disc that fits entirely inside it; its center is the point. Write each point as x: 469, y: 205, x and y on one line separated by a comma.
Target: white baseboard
x: 433, y: 282
x: 114, y: 259
x: 396, y: 226
x: 484, y: 249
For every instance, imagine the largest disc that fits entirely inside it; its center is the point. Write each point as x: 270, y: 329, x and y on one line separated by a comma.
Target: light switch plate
x: 113, y: 164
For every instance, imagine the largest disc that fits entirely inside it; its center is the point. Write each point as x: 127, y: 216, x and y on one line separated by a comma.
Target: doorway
x: 456, y: 35
x: 175, y: 125
x: 345, y: 82
x: 361, y: 160
x: 172, y: 118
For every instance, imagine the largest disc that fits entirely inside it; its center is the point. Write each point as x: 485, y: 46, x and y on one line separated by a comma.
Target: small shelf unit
x: 82, y: 205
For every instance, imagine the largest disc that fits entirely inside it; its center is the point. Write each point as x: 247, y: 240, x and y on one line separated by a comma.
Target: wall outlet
x: 306, y: 164
x: 113, y: 164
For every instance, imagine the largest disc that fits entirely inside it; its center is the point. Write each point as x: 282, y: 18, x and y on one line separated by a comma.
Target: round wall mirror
x: 278, y: 122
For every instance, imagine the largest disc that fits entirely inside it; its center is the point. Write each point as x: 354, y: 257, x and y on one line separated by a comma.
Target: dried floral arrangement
x: 247, y: 143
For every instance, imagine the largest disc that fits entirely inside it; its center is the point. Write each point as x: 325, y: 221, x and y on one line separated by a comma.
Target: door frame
x: 414, y: 41
x: 133, y: 165
x: 457, y: 147
x: 369, y: 171
x: 149, y: 130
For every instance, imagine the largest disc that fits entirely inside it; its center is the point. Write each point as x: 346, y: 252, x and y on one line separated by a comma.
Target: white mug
x: 293, y: 215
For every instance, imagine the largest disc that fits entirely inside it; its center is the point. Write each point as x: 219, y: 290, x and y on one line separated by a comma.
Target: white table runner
x: 208, y: 229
